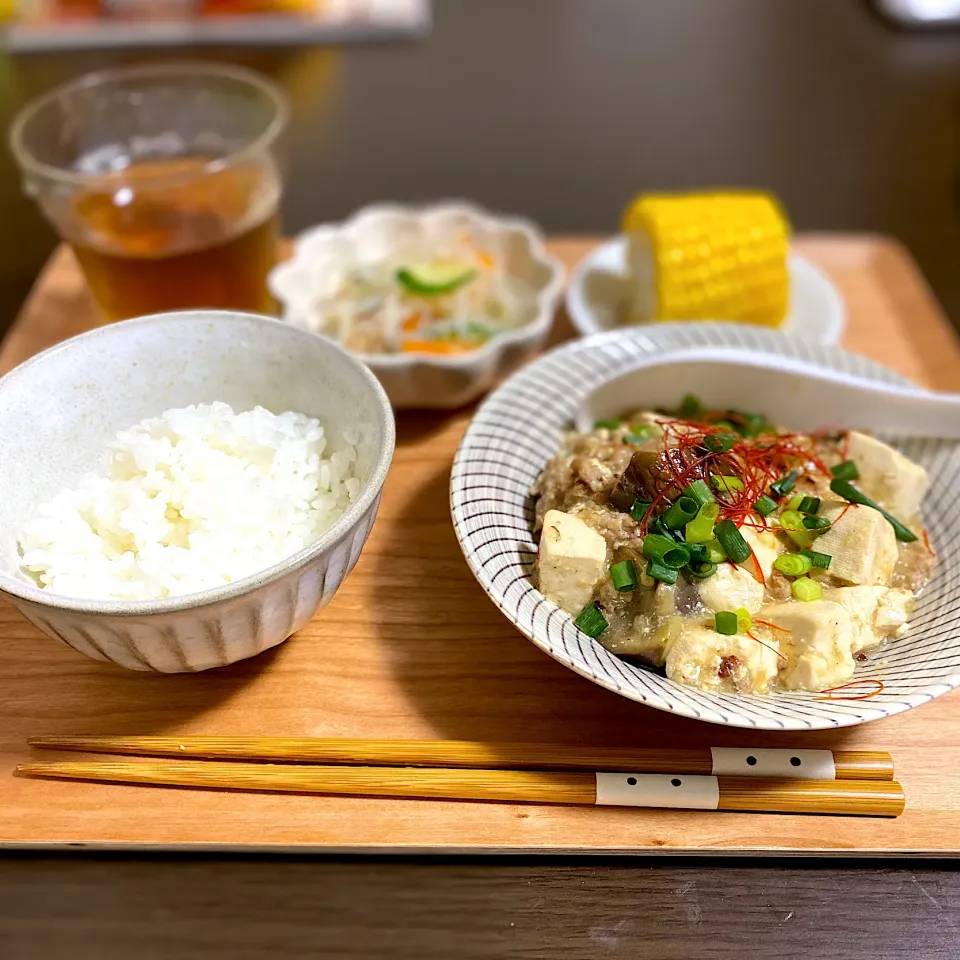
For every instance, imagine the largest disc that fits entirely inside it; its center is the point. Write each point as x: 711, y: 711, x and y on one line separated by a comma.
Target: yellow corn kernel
x: 708, y: 256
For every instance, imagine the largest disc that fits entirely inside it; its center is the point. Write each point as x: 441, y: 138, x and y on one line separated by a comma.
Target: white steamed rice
x: 190, y: 500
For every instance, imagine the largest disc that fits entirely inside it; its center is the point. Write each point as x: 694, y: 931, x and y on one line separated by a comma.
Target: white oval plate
x: 598, y: 290
x: 517, y: 429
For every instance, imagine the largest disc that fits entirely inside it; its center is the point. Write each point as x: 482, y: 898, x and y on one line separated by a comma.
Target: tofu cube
x: 877, y: 612
x: 818, y: 643
x: 887, y: 476
x: 861, y: 542
x: 571, y: 562
x: 731, y: 588
x: 704, y: 658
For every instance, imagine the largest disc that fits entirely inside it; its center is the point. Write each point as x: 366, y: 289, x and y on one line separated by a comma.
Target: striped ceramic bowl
x: 60, y: 410
x: 518, y: 429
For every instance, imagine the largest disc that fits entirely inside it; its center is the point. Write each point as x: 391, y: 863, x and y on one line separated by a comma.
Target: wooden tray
x: 410, y: 647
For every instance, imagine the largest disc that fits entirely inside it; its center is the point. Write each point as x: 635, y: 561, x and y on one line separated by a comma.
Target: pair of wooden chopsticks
x: 718, y: 778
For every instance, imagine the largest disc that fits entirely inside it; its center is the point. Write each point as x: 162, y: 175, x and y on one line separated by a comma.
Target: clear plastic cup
x: 163, y: 179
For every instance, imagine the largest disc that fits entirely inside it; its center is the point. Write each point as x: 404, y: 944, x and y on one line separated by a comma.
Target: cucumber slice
x: 433, y: 279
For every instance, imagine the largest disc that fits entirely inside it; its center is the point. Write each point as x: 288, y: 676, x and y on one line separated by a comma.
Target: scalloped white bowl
x: 412, y: 380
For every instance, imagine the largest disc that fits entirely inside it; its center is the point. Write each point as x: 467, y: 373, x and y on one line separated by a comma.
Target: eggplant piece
x: 637, y: 482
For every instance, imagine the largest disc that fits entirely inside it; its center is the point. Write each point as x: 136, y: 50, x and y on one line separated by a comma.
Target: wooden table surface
x: 506, y: 907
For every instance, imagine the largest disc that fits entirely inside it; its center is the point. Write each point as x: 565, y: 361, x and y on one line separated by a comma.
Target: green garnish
x: 657, y: 547
x: 725, y: 622
x: 660, y: 571
x: 607, y: 425
x: 591, y: 621
x: 793, y: 564
x: 808, y: 505
x: 639, y: 509
x: 699, y: 492
x: 715, y: 552
x: 765, y: 506
x: 726, y: 484
x: 849, y: 492
x: 702, y: 569
x: 641, y: 433
x: 794, y: 502
x: 806, y: 589
x: 821, y: 560
x: 623, y: 575
x: 791, y: 522
x: 732, y: 541
x: 744, y: 620
x: 785, y: 484
x: 700, y: 528
x: 719, y: 442
x: 816, y: 523
x: 680, y: 512
x: 845, y: 471
x: 690, y: 407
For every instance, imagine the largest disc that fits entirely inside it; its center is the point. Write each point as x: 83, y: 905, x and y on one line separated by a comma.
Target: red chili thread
x: 878, y: 688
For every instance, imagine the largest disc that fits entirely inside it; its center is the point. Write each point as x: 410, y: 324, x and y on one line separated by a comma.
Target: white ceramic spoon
x: 792, y: 392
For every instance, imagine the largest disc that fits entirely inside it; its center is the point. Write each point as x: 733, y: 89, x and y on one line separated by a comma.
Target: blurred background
x: 560, y: 110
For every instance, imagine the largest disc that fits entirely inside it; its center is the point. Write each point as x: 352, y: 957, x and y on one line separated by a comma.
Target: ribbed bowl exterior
x: 215, y: 634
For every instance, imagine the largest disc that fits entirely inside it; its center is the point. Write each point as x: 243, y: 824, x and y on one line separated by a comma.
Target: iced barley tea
x: 173, y: 234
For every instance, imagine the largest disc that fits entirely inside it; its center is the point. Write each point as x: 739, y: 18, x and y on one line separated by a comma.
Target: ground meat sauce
x: 600, y: 475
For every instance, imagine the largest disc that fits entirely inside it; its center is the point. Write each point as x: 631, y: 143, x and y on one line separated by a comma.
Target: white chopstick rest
x: 782, y: 764
x: 680, y: 791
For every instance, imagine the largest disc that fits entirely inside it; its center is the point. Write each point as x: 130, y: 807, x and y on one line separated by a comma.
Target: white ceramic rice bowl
x: 517, y: 429
x: 60, y: 410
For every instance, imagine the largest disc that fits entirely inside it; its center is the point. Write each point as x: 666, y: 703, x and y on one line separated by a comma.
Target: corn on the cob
x: 708, y: 256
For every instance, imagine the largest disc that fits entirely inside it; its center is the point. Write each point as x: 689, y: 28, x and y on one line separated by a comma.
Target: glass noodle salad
x: 431, y: 297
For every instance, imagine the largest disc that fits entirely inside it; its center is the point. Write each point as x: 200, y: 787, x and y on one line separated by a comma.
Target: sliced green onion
x: 699, y: 491
x: 690, y: 407
x: 623, y: 575
x: 816, y: 523
x: 849, y: 492
x: 697, y: 552
x: 725, y: 425
x: 725, y: 622
x: 715, y: 552
x: 809, y: 505
x: 753, y: 423
x: 794, y: 502
x: 765, y: 506
x: 700, y: 528
x: 821, y: 560
x: 658, y: 526
x: 677, y: 557
x: 591, y: 621
x: 726, y: 484
x: 641, y: 433
x: 661, y: 572
x: 702, y: 570
x: 791, y: 522
x: 744, y: 620
x: 719, y: 442
x: 793, y: 564
x: 732, y: 541
x: 656, y: 546
x: 785, y: 484
x: 607, y: 425
x: 845, y: 471
x: 680, y: 512
x: 806, y: 589
x: 638, y: 510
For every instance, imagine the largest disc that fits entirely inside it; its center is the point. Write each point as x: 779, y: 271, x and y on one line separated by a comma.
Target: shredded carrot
x: 878, y: 687
x: 411, y: 323
x: 926, y: 542
x: 485, y: 260
x: 439, y: 347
